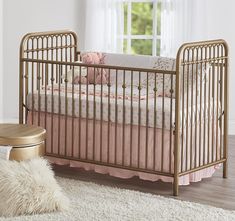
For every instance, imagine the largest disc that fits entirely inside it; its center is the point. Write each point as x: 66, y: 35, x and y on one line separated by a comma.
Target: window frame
x: 154, y: 37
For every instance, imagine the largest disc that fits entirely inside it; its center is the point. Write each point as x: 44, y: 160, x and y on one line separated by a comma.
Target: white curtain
x: 104, y: 25
x: 181, y: 21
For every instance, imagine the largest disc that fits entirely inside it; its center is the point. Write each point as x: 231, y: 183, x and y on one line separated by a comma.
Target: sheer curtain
x: 104, y: 25
x: 181, y: 21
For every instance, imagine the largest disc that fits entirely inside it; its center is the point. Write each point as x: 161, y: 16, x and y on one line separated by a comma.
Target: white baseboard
x: 9, y: 120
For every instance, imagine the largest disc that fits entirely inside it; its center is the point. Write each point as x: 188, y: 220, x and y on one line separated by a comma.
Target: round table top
x: 21, y: 134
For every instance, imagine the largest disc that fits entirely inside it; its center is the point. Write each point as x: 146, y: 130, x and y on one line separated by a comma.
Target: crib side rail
x: 202, y: 85
x: 126, y: 105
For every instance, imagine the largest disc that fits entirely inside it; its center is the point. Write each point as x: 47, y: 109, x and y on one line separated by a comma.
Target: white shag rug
x: 29, y: 187
x: 92, y: 202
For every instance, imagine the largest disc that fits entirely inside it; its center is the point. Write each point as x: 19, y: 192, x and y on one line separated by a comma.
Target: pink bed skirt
x: 98, y: 150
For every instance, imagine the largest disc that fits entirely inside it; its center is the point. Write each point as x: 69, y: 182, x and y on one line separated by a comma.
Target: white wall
x: 25, y: 16
x: 21, y: 17
x: 221, y: 18
x: 1, y: 58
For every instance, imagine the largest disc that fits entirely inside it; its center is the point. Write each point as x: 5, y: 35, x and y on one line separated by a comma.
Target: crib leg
x: 176, y: 186
x: 225, y: 169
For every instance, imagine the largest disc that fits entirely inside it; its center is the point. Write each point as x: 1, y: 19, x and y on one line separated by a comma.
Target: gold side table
x: 27, y: 140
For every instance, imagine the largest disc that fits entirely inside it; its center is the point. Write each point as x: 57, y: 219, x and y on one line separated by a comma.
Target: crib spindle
x: 116, y: 115
x: 192, y: 108
x: 147, y: 122
x: 73, y: 110
x: 94, y: 118
x: 139, y: 119
x: 210, y: 148
x: 80, y: 114
x: 66, y: 110
x: 52, y: 106
x: 163, y: 120
x: 101, y: 118
x: 195, y: 97
x: 87, y: 115
x: 131, y: 121
x: 60, y: 115
x: 170, y: 145
x: 155, y: 121
x: 204, y: 112
x: 123, y: 116
x: 109, y: 113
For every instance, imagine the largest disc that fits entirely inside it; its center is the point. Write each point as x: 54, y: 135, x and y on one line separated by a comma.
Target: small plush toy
x: 95, y: 75
x: 80, y: 78
x: 74, y: 75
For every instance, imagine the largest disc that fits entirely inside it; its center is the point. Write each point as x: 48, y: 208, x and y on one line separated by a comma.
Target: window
x: 142, y: 27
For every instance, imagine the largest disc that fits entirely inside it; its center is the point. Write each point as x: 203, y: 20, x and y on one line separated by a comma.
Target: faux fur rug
x: 92, y: 202
x: 29, y: 187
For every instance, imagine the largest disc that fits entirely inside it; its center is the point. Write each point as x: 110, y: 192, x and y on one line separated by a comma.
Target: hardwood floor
x: 214, y: 191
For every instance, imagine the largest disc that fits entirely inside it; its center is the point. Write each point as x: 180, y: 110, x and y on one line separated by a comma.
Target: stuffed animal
x: 74, y: 75
x: 95, y: 75
x: 80, y: 78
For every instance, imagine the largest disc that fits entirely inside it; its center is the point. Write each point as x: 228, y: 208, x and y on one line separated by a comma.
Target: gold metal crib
x: 194, y: 139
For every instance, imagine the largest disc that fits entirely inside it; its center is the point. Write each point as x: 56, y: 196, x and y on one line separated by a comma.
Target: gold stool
x: 27, y: 140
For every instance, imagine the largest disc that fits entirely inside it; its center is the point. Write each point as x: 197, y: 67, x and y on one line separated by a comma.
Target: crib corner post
x: 176, y: 185
x: 225, y: 169
x: 177, y: 125
x: 176, y: 164
x: 226, y: 112
x: 21, y: 79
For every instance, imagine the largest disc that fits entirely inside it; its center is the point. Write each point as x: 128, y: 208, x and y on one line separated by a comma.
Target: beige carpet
x: 92, y: 202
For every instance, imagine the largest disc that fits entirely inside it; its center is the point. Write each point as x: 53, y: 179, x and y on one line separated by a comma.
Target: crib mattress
x: 125, y: 106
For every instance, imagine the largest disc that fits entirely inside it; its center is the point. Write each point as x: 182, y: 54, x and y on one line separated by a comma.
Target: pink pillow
x: 95, y: 75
